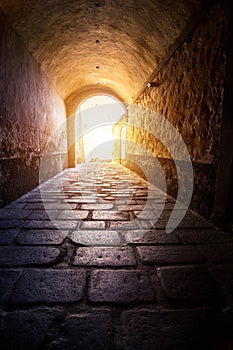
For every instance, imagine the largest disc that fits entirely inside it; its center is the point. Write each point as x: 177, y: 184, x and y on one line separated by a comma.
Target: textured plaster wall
x: 30, y: 112
x: 190, y: 97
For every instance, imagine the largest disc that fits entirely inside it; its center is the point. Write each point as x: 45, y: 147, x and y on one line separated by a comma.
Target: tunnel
x: 130, y: 248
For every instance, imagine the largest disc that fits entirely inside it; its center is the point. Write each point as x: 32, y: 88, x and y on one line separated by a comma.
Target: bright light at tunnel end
x: 169, y: 137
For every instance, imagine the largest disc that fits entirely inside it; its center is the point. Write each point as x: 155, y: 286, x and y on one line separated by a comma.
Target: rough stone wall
x: 189, y: 96
x: 30, y: 112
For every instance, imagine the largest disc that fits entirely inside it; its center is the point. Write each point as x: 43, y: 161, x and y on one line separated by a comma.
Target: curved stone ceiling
x: 112, y: 44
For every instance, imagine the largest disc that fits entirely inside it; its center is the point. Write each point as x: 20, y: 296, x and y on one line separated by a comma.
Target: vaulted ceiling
x: 108, y: 44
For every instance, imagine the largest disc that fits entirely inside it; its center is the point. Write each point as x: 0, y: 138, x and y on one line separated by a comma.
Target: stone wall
x: 189, y: 94
x: 30, y: 112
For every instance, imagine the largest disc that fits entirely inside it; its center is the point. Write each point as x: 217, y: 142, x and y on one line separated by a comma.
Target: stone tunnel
x: 132, y: 251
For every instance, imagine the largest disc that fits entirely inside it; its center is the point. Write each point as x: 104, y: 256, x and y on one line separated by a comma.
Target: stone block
x: 189, y: 283
x: 120, y: 286
x: 93, y: 238
x: 168, y: 255
x: 21, y: 256
x: 49, y: 286
x: 25, y: 329
x: 105, y: 256
x: 41, y: 237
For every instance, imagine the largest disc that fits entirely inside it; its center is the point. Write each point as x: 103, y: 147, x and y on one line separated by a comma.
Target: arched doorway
x: 95, y: 118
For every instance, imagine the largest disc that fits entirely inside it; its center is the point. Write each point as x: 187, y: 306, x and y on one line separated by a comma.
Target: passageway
x: 96, y: 270
x: 116, y: 229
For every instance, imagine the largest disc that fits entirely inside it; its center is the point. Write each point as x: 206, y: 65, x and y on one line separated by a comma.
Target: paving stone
x: 25, y: 329
x: 196, y: 236
x: 98, y: 206
x: 72, y: 214
x: 87, y: 331
x: 20, y: 256
x: 92, y: 225
x: 110, y: 215
x: 8, y: 278
x: 150, y: 237
x: 107, y: 256
x: 55, y: 224
x: 186, y: 283
x: 7, y: 236
x: 91, y: 238
x: 168, y: 255
x: 49, y: 286
x: 41, y: 237
x: 14, y: 214
x: 123, y: 225
x: 169, y: 329
x: 120, y: 286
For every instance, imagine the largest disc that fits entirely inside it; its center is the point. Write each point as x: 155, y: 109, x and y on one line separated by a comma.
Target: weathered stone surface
x: 120, y: 286
x: 86, y: 331
x: 168, y: 255
x: 110, y: 215
x: 40, y: 237
x: 110, y: 256
x: 35, y: 112
x: 150, y: 237
x: 99, y: 206
x: 7, y: 236
x: 25, y: 329
x: 166, y: 329
x: 49, y: 286
x: 187, y: 283
x: 93, y: 238
x: 200, y: 236
x: 8, y: 278
x: 19, y: 256
x: 92, y: 225
x: 124, y: 225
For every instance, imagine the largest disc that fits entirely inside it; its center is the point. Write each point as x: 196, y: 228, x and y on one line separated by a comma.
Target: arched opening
x: 95, y: 118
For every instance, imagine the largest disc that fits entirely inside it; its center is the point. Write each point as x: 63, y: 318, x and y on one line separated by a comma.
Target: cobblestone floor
x: 85, y: 263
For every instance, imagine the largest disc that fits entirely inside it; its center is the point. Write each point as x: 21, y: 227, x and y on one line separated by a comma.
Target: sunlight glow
x: 95, y: 118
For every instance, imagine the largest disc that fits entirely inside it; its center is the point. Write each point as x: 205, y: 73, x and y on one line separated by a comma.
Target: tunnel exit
x: 94, y: 121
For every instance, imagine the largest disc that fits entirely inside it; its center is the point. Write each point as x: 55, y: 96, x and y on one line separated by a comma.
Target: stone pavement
x: 85, y: 263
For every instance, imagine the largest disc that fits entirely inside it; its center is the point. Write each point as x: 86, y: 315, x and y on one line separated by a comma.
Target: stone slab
x: 21, y: 256
x: 168, y: 255
x: 41, y: 237
x: 189, y: 283
x: 95, y: 238
x: 107, y: 256
x: 26, y: 329
x: 120, y: 286
x: 49, y: 286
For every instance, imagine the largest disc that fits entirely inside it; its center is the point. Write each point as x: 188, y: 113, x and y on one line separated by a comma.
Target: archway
x: 95, y: 118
